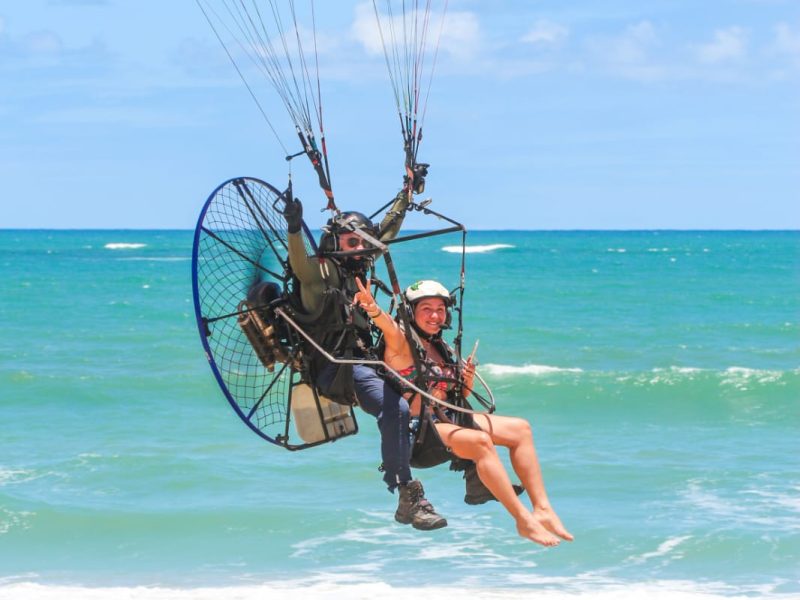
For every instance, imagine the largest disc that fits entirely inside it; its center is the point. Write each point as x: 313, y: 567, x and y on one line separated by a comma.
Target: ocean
x: 660, y: 371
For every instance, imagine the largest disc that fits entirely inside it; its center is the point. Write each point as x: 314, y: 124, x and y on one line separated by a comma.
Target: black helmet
x: 342, y: 223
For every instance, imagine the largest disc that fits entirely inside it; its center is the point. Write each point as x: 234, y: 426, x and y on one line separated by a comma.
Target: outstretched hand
x: 364, y: 298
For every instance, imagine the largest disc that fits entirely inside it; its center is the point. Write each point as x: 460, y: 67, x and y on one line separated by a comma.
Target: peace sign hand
x: 363, y: 297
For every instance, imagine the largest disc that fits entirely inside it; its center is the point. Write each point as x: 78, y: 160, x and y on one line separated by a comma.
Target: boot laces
x: 418, y: 497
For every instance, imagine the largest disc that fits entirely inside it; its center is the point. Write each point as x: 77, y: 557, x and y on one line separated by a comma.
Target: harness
x: 427, y: 448
x: 441, y: 375
x: 341, y: 329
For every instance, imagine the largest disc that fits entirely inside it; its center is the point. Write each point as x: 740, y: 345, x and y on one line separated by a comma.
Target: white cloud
x: 630, y: 48
x: 727, y: 45
x: 787, y: 41
x: 633, y: 46
x: 365, y: 29
x: 309, y: 41
x: 460, y: 34
x: 546, y: 32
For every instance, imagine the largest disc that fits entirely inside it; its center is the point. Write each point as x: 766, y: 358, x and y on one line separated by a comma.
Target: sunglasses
x: 353, y: 242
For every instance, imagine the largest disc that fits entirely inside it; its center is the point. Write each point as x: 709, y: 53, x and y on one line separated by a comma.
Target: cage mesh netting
x: 241, y: 240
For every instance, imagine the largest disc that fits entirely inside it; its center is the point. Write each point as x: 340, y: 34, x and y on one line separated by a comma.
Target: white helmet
x: 427, y: 288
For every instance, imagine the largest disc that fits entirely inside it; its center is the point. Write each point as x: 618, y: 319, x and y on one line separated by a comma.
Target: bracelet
x: 376, y: 315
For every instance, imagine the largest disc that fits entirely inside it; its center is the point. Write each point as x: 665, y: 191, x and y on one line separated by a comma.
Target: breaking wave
x: 123, y: 246
x: 477, y: 249
x: 495, y: 369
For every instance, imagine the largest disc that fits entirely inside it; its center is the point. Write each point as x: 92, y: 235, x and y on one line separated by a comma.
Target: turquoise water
x: 660, y: 371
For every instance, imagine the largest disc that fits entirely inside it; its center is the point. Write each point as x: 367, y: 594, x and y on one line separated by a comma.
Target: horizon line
x: 555, y: 230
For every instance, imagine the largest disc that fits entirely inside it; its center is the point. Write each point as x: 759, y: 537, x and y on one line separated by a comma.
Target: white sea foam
x: 330, y: 590
x: 748, y: 372
x: 664, y: 549
x: 374, y: 531
x: 737, y: 377
x: 667, y: 376
x: 477, y: 249
x: 465, y: 550
x: 494, y: 369
x: 157, y: 258
x: 754, y: 505
x: 620, y: 250
x: 8, y: 476
x: 789, y: 501
x: 741, y: 377
x: 123, y: 246
x: 14, y: 520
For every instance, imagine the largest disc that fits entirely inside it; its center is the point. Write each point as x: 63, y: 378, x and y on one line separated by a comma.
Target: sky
x: 544, y: 114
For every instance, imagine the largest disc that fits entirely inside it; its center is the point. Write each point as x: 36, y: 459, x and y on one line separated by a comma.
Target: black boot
x: 415, y: 509
x: 477, y: 492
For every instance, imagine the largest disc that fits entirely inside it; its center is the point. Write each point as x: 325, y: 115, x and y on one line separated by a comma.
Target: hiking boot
x: 477, y: 492
x: 415, y: 509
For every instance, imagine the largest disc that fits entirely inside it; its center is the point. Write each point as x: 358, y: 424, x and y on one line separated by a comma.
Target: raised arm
x: 390, y: 226
x: 414, y: 183
x: 305, y: 267
x: 396, y: 343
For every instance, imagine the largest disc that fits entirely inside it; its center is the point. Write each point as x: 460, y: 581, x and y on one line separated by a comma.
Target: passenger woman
x: 430, y: 303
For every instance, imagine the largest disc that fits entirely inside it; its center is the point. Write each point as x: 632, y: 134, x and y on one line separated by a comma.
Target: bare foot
x: 550, y: 521
x: 528, y: 527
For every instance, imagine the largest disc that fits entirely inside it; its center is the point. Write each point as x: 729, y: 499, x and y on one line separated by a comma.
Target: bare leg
x: 477, y: 446
x: 515, y: 434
